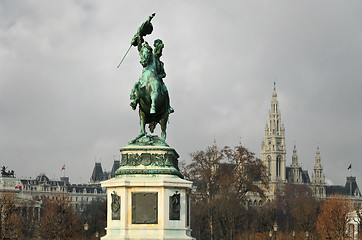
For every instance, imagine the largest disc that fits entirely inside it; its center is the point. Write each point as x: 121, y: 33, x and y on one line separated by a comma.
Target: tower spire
x: 273, y: 147
x: 295, y: 175
x: 318, y: 178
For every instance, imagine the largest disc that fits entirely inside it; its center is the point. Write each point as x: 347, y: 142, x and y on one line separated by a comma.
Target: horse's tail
x: 152, y: 126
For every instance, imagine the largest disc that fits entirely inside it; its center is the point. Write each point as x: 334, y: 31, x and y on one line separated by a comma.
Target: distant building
x: 273, y: 155
x: 99, y: 175
x: 30, y: 207
x: 33, y: 190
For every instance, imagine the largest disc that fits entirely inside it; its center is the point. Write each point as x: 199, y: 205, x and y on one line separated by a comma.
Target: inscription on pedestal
x: 144, y: 208
x: 116, y: 206
x: 174, y: 207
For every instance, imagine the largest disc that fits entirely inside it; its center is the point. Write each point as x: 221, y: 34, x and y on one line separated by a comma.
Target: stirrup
x: 133, y: 105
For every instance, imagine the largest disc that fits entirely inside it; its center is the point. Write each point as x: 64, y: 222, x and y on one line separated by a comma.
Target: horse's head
x: 146, y: 54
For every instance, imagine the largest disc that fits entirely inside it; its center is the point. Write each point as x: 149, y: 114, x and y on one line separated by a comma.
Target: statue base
x: 148, y: 198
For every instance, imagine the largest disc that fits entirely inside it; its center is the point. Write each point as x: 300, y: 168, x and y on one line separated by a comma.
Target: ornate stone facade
x: 273, y: 149
x: 153, y: 196
x: 34, y: 189
x: 273, y: 155
x: 318, y: 178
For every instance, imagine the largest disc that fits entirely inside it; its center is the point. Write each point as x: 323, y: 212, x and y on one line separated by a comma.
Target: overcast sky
x: 63, y: 101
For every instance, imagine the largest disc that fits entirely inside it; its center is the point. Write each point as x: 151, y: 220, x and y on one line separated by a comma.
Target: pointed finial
x: 295, y: 148
x: 214, y: 147
x: 274, y: 91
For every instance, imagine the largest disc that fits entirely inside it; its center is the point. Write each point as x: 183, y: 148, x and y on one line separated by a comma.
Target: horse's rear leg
x: 163, y: 129
x: 142, y: 125
x: 143, y: 131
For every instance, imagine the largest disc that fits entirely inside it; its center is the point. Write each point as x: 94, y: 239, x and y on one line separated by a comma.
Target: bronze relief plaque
x: 144, y: 208
x: 116, y: 206
x: 174, y: 206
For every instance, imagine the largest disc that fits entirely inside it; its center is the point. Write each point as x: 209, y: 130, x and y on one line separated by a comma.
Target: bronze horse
x: 151, y: 94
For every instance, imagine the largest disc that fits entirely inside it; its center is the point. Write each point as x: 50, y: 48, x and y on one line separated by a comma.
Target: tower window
x: 279, y: 159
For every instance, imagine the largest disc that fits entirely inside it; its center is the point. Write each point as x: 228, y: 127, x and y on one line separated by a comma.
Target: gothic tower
x: 318, y: 178
x: 273, y: 151
x: 295, y: 174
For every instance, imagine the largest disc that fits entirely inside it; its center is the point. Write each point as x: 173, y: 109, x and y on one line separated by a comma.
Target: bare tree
x: 59, y: 219
x: 295, y: 208
x: 223, y: 179
x: 332, y: 220
x: 11, y: 220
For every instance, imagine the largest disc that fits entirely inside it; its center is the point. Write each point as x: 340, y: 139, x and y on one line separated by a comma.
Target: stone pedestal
x: 148, y: 198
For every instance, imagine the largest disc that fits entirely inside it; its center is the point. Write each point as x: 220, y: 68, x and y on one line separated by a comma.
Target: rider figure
x: 157, y: 52
x: 159, y: 71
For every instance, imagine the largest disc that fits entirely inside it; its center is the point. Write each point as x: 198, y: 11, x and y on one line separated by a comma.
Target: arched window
x: 269, y: 164
x: 279, y: 160
x: 255, y: 202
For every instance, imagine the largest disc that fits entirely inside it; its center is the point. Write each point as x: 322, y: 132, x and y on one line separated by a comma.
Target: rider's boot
x: 170, y: 110
x: 133, y: 104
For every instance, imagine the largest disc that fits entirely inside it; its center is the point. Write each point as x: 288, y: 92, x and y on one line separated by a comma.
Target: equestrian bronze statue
x: 150, y: 93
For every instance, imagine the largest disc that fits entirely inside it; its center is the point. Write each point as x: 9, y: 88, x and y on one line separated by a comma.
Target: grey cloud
x: 62, y: 100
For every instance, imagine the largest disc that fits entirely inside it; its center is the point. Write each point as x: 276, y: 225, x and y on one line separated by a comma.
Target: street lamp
x: 270, y: 234
x: 307, y: 234
x: 97, y: 235
x: 85, y: 230
x: 293, y: 233
x: 275, y: 227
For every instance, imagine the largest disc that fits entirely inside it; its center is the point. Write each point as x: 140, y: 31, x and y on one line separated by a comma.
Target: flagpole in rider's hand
x: 145, y: 29
x: 124, y: 56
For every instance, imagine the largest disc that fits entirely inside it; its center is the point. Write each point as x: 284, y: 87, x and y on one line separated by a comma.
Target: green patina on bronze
x: 172, y: 171
x: 147, y: 154
x: 148, y: 159
x: 150, y: 92
x: 148, y: 140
